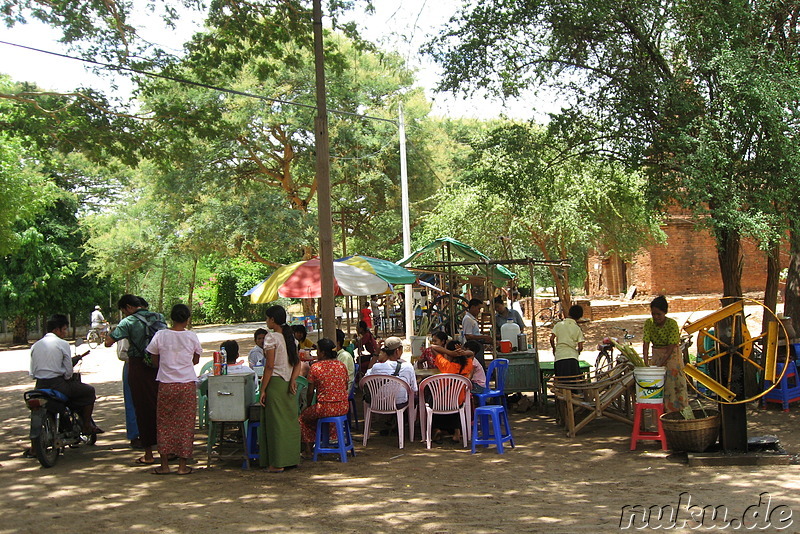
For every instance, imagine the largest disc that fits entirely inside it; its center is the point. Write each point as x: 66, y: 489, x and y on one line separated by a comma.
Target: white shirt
x: 97, y: 318
x: 51, y: 358
x: 256, y: 356
x: 469, y: 325
x: 281, y: 367
x: 406, y: 374
x: 175, y: 351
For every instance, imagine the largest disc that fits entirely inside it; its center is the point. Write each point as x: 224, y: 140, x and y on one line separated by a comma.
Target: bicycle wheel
x: 603, y: 364
x: 93, y: 339
x: 544, y: 316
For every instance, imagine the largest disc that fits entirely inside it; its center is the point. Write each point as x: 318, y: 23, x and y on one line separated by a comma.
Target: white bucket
x: 649, y: 384
x: 417, y: 344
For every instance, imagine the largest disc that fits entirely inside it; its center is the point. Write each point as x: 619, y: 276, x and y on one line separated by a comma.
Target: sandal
x: 189, y: 472
x: 141, y: 461
x: 158, y: 471
x: 437, y: 438
x: 274, y: 469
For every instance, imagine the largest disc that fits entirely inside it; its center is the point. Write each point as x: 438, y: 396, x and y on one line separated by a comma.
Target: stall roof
x: 500, y: 274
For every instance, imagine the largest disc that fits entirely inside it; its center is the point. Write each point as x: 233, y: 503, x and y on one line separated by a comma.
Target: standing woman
x: 176, y: 351
x: 328, y: 377
x: 141, y: 377
x: 665, y: 336
x: 279, y: 432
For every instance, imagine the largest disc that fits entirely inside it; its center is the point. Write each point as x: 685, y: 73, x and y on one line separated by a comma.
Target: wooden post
x: 323, y: 182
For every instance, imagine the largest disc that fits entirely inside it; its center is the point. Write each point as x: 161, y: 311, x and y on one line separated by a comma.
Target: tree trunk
x: 162, y: 284
x: 20, y: 330
x: 791, y: 299
x: 729, y: 254
x: 771, y: 288
x: 191, y: 287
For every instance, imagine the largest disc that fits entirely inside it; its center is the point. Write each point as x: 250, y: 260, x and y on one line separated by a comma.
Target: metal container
x: 229, y: 396
x: 522, y: 342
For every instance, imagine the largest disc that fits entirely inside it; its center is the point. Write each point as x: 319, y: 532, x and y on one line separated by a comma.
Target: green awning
x: 500, y: 275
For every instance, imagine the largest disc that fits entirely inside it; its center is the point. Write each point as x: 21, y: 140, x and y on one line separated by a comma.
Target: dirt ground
x: 547, y: 483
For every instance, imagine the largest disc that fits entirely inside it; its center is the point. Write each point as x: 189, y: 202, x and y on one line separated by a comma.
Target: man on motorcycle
x: 99, y: 322
x: 52, y: 367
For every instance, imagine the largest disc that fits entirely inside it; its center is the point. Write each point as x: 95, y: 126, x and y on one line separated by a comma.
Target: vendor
x: 664, y: 335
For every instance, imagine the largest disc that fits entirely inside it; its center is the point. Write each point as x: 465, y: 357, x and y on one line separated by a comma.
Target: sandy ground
x: 548, y: 483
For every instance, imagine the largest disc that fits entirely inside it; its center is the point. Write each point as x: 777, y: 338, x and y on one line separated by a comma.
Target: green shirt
x: 135, y: 331
x: 661, y: 336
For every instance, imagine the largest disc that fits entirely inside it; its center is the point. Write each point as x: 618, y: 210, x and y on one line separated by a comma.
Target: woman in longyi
x: 664, y: 335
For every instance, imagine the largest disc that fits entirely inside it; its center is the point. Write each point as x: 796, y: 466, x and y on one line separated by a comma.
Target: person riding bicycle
x: 52, y: 366
x: 99, y: 322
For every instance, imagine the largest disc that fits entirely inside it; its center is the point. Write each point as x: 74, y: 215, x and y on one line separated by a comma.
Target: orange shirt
x: 446, y: 366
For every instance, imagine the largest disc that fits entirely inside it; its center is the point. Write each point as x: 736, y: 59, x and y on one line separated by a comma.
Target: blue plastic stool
x: 787, y: 390
x: 482, y: 434
x: 345, y: 443
x: 251, y: 442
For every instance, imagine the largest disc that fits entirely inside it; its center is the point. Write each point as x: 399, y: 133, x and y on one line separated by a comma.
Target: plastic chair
x: 344, y: 444
x: 485, y: 434
x: 445, y: 391
x: 302, y: 386
x: 787, y: 390
x: 498, y: 367
x: 383, y: 391
x: 202, y: 397
x: 352, y: 400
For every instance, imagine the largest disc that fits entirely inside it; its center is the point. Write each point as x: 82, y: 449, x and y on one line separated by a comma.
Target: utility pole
x: 323, y: 181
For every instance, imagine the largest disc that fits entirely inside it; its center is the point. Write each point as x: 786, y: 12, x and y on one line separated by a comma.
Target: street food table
x: 524, y: 373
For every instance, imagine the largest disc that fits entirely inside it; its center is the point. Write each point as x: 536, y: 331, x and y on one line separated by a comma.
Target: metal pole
x: 409, y: 290
x: 323, y: 182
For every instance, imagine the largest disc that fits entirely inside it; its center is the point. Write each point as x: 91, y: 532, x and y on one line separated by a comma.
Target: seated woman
x: 303, y: 343
x: 451, y: 359
x: 479, y: 381
x: 328, y: 378
x: 366, y: 348
x: 428, y: 358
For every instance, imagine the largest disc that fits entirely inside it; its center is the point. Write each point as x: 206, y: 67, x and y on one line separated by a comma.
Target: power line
x: 196, y: 84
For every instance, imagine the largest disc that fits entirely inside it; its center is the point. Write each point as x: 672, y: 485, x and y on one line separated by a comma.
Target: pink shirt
x: 175, y: 350
x: 281, y: 367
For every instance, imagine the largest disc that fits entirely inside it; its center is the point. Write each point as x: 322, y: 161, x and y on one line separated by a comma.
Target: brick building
x: 689, y: 265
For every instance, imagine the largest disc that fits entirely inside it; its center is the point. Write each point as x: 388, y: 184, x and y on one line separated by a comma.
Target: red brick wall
x: 687, y: 264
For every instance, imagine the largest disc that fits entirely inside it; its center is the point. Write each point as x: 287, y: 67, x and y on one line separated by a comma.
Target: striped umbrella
x: 303, y: 280
x: 386, y: 270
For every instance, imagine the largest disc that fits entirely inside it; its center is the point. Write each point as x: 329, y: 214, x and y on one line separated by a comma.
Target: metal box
x: 229, y: 397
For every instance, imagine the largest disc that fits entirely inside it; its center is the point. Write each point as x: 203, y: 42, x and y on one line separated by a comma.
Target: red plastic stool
x: 639, y: 435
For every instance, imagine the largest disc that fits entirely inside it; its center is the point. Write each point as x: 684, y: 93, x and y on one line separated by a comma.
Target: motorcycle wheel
x: 44, y: 447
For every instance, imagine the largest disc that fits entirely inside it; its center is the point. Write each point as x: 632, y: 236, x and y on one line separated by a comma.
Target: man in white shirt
x: 471, y: 329
x: 389, y: 363
x: 99, y: 322
x: 52, y: 367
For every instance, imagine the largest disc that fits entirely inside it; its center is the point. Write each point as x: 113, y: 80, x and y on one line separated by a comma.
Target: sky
x: 404, y: 26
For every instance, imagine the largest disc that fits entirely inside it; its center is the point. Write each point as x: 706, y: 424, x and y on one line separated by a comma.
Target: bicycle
x: 96, y: 336
x: 605, y: 357
x: 553, y: 314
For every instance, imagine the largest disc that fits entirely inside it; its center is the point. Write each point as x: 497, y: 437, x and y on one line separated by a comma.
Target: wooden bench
x: 580, y: 400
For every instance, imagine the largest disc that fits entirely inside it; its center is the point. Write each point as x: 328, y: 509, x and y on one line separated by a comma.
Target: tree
x: 701, y: 96
x: 565, y: 205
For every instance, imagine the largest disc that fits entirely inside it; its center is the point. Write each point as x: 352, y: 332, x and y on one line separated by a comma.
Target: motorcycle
x: 55, y: 425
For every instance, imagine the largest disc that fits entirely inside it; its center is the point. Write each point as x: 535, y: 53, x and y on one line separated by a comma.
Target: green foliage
x: 220, y: 300
x: 703, y: 96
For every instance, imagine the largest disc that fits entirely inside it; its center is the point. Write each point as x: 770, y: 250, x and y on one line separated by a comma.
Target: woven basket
x: 691, y: 435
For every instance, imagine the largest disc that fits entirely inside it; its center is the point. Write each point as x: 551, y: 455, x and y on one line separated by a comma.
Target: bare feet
x: 271, y: 469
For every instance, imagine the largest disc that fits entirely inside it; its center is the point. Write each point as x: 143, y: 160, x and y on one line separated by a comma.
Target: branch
x: 257, y: 257
x: 20, y: 98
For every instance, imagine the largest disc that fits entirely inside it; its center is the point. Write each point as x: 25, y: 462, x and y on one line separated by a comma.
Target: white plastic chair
x: 444, y: 391
x: 383, y: 392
